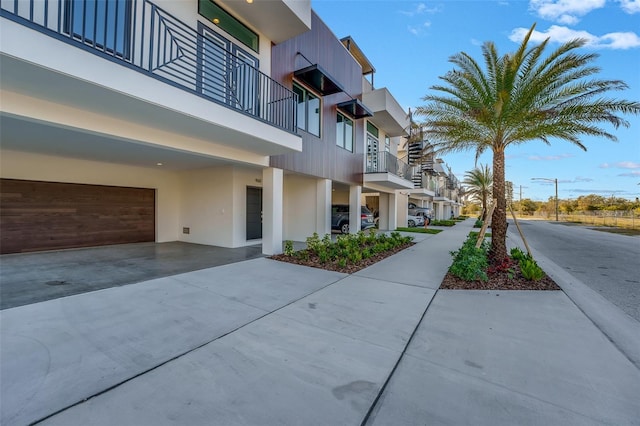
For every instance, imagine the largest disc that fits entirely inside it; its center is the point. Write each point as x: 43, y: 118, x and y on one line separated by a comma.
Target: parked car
x: 340, y: 218
x: 424, y: 215
x: 426, y: 212
x: 415, y: 220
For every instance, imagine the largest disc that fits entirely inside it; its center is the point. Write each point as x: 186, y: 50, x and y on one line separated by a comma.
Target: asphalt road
x: 608, y: 263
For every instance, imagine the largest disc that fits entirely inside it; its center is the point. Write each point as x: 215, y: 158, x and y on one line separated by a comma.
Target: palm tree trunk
x: 499, y: 219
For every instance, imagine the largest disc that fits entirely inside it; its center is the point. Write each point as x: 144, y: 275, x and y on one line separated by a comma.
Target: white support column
x: 272, y: 216
x: 323, y: 207
x: 440, y: 210
x: 383, y: 211
x: 355, y: 209
x: 394, y: 198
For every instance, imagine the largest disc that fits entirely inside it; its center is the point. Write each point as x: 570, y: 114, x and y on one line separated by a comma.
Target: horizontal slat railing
x: 143, y: 36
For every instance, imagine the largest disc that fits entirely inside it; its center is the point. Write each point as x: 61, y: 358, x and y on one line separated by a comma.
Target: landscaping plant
x: 470, y: 263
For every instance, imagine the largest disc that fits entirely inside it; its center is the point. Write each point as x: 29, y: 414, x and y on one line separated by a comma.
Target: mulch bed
x: 314, y: 262
x: 500, y: 281
x: 497, y: 281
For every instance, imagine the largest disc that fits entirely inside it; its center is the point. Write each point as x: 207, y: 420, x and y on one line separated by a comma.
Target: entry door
x: 372, y: 153
x: 254, y: 213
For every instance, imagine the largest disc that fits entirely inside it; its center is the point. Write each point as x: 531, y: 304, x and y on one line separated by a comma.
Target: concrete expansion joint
x: 395, y: 367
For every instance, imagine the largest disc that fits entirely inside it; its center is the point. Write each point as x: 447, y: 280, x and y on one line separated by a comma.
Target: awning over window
x: 318, y: 79
x: 355, y: 109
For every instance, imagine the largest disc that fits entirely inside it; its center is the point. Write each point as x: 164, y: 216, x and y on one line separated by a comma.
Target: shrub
x: 288, y: 248
x: 478, y: 223
x: 443, y: 222
x: 347, y: 249
x: 517, y: 254
x: 470, y: 263
x: 530, y: 269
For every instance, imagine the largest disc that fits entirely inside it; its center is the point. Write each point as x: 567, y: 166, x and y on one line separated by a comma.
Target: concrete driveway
x: 27, y: 278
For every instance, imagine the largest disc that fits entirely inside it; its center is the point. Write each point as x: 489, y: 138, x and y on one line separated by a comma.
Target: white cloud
x: 420, y: 9
x: 627, y: 165
x: 566, y: 12
x: 635, y: 173
x: 630, y: 6
x: 621, y: 165
x: 559, y: 34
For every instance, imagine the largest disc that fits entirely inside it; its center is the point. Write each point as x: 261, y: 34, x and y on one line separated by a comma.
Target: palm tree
x: 520, y: 97
x: 479, y: 182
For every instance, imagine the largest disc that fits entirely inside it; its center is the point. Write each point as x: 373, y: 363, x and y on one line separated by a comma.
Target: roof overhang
x: 355, y: 109
x: 318, y: 79
x: 358, y: 55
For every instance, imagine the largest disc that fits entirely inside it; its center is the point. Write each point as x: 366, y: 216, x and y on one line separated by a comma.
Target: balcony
x: 141, y: 36
x: 388, y: 115
x: 386, y: 170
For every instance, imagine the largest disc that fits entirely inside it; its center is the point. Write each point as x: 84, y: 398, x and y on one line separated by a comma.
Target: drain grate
x: 57, y: 282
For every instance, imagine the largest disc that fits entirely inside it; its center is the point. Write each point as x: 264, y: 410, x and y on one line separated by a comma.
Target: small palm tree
x: 479, y: 182
x: 520, y: 97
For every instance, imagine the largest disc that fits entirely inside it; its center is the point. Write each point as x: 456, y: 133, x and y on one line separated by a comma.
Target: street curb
x: 622, y: 330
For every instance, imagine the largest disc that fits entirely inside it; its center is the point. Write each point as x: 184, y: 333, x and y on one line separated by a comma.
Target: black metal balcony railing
x: 385, y: 162
x: 142, y: 36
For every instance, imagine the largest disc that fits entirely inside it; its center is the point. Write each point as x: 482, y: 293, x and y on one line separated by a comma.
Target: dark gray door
x: 254, y: 213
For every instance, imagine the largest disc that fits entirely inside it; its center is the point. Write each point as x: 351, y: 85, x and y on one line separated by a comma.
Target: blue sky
x: 409, y: 43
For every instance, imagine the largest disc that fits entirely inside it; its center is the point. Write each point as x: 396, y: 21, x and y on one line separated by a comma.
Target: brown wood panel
x: 321, y: 157
x: 37, y: 216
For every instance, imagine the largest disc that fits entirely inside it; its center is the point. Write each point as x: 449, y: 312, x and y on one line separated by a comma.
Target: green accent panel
x: 372, y: 129
x: 228, y: 23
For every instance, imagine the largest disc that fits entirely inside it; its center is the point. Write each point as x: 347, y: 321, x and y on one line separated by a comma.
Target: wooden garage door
x: 38, y: 216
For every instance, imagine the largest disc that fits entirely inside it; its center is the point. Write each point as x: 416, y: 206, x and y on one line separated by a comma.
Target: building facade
x: 138, y: 120
x: 226, y: 123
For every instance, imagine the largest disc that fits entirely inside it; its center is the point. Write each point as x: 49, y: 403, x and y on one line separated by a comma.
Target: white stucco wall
x: 207, y: 206
x: 300, y: 203
x: 28, y: 166
x: 214, y: 205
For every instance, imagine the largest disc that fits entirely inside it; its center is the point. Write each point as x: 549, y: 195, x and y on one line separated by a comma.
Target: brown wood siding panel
x: 321, y: 157
x: 37, y: 216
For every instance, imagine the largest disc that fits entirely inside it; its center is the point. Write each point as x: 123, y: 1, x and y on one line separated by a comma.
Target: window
x: 387, y: 144
x: 105, y: 24
x: 308, y: 110
x: 344, y: 133
x: 228, y: 23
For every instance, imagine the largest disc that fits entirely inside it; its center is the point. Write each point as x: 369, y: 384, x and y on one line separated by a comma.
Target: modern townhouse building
x: 138, y: 120
x: 329, y: 169
x: 387, y: 178
x: 350, y: 133
x: 434, y: 184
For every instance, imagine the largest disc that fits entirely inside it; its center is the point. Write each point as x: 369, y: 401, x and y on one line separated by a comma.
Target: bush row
x: 349, y: 248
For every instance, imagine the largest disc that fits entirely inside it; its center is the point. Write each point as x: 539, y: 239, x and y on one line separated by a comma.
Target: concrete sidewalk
x: 267, y: 343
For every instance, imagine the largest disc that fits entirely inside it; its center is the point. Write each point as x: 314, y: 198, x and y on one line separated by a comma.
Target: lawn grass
x: 420, y: 230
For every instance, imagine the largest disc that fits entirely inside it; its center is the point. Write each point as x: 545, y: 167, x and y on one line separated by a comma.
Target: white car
x: 415, y: 221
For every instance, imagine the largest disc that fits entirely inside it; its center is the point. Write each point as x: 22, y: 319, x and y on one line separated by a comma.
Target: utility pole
x: 555, y: 180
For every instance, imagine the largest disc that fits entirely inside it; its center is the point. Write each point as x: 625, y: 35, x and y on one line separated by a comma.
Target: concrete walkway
x: 261, y: 342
